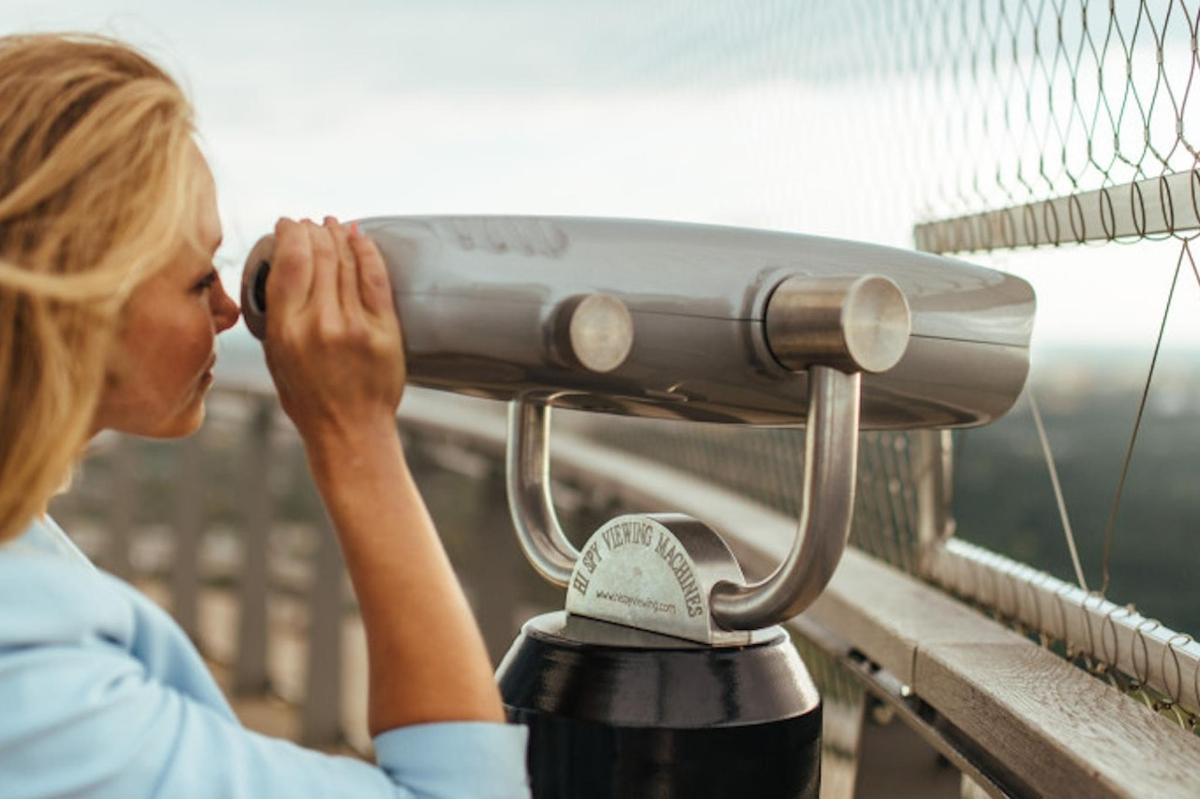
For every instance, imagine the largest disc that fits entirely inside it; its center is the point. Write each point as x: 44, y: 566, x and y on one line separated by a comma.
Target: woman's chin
x: 186, y: 424
x: 152, y: 420
x: 181, y: 425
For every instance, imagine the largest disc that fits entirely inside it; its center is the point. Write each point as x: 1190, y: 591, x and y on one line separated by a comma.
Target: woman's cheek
x: 178, y: 361
x: 199, y: 347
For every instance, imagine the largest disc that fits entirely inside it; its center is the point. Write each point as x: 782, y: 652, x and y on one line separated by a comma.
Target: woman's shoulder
x: 55, y: 604
x: 50, y: 593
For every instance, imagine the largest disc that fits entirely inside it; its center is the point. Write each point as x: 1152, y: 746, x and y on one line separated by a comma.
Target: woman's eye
x: 206, y: 282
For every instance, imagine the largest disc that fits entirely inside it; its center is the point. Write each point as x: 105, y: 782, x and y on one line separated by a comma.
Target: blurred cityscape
x: 1004, y: 500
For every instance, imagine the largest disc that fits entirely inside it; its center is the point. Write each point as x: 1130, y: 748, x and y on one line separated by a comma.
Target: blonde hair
x: 97, y: 175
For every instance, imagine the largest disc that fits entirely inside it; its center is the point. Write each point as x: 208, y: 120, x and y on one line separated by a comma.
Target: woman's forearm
x: 427, y: 660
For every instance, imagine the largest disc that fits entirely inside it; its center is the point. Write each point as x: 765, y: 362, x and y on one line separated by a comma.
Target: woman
x: 109, y: 308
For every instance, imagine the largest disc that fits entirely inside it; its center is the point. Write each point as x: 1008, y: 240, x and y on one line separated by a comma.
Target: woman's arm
x: 427, y: 661
x: 102, y: 695
x: 333, y: 345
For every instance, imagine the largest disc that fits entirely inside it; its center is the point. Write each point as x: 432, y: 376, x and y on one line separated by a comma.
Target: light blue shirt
x: 103, y: 695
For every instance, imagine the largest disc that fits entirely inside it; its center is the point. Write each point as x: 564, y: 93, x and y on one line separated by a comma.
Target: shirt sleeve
x: 432, y: 759
x: 87, y: 720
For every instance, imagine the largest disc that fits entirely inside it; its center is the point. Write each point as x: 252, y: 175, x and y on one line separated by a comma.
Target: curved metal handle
x: 830, y: 457
x: 528, y: 485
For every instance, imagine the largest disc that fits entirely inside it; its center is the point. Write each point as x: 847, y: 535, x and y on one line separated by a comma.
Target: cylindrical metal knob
x: 594, y: 331
x: 855, y: 324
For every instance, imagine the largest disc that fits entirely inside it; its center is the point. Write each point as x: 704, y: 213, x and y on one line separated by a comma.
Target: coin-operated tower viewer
x: 667, y: 673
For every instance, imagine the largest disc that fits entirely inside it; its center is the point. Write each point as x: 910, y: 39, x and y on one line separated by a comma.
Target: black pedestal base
x: 614, y: 712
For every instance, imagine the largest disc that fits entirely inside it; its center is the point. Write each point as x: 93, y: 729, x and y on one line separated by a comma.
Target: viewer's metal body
x: 696, y: 323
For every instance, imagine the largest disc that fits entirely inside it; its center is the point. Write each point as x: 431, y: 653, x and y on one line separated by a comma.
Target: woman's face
x: 160, y: 368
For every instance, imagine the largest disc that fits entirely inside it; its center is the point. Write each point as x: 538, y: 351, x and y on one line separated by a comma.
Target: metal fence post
x: 122, y: 510
x: 250, y: 670
x: 321, y: 716
x: 189, y: 527
x: 498, y: 562
x: 934, y: 477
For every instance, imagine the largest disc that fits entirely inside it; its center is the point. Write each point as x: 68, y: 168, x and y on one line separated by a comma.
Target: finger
x: 348, y: 292
x: 373, y: 284
x: 291, y: 270
x: 324, y: 254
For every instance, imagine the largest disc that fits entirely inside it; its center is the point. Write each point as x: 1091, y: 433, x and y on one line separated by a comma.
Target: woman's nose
x: 224, y: 310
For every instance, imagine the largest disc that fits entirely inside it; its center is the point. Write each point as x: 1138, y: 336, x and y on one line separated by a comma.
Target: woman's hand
x: 333, y: 346
x: 333, y: 342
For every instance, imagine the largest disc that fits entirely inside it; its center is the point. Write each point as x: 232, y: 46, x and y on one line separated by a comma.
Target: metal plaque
x: 655, y: 572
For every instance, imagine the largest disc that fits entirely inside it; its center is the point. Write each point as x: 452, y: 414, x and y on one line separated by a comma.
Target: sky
x: 672, y: 110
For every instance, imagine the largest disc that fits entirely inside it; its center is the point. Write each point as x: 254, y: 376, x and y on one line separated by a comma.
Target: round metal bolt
x: 595, y: 331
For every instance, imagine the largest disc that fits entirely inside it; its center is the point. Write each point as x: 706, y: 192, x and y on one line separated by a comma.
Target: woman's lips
x: 208, y: 373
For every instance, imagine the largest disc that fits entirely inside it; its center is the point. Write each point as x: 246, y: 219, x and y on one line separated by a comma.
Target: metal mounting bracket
x: 671, y: 574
